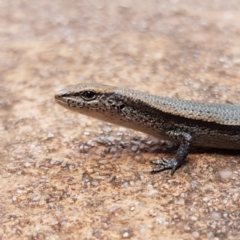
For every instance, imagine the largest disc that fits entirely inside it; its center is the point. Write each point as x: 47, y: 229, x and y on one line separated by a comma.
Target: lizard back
x: 224, y: 114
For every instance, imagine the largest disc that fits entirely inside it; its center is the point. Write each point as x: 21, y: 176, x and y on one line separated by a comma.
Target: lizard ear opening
x: 88, y: 95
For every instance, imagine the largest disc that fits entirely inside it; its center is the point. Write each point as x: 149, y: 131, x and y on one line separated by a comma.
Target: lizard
x: 184, y: 122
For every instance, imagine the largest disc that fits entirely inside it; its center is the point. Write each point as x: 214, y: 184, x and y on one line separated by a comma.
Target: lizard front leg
x: 182, y: 152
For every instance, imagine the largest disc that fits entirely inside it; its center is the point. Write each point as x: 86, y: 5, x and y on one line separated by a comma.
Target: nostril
x: 60, y: 94
x: 57, y: 96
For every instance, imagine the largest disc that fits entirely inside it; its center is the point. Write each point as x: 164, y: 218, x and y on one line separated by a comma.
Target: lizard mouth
x: 57, y: 96
x: 61, y: 97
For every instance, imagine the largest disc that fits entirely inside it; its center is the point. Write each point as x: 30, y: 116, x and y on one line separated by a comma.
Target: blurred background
x: 178, y: 48
x: 145, y: 45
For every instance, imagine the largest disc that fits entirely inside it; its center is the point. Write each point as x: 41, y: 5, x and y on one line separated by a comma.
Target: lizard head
x: 98, y: 101
x: 121, y: 106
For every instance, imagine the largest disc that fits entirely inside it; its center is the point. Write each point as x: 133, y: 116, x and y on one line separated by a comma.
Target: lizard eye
x: 88, y: 95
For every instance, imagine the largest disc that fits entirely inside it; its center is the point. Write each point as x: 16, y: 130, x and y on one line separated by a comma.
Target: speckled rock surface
x: 66, y: 176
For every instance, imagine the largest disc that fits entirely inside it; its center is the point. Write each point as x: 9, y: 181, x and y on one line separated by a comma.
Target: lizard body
x: 187, y: 123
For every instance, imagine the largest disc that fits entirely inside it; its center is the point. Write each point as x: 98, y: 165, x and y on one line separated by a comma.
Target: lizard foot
x: 164, y: 164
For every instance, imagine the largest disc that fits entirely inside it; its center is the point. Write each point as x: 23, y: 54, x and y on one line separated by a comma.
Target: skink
x: 186, y: 123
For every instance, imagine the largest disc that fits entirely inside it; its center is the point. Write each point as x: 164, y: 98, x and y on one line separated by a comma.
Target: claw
x: 164, y: 164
